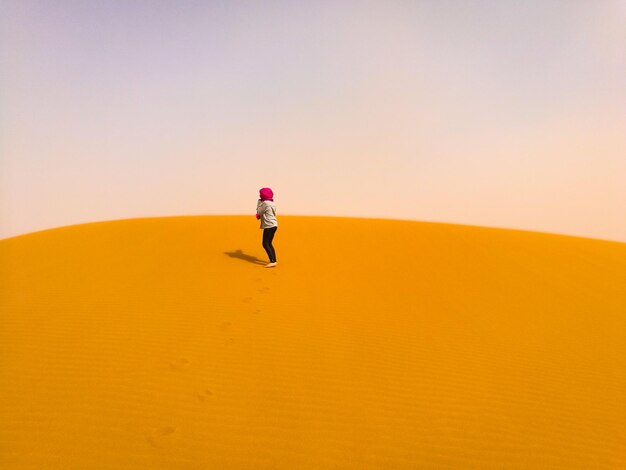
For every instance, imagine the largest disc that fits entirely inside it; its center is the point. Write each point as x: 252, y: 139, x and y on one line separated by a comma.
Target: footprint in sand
x: 179, y: 364
x: 225, y: 326
x: 161, y: 436
x: 204, y: 395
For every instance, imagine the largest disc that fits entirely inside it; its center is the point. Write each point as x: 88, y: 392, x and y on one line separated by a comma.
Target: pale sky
x: 498, y: 113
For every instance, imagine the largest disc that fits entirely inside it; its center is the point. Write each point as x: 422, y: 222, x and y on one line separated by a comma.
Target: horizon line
x: 390, y: 219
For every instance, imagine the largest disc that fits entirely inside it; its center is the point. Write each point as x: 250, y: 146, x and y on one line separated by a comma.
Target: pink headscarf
x: 266, y: 194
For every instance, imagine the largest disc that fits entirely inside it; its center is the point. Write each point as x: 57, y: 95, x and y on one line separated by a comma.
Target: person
x: 266, y: 213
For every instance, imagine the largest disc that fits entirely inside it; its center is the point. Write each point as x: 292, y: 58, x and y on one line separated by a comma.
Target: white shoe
x: 270, y: 265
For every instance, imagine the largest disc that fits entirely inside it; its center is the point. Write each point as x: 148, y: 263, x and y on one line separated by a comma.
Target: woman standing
x: 266, y: 212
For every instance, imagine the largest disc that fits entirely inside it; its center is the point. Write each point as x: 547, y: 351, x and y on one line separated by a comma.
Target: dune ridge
x: 162, y: 343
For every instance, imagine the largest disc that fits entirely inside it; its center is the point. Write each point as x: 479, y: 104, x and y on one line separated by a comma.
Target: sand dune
x: 164, y: 344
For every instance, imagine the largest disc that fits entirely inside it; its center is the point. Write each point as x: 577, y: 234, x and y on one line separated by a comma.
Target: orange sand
x: 152, y: 344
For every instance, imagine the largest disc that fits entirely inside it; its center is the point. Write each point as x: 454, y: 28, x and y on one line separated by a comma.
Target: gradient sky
x: 498, y: 113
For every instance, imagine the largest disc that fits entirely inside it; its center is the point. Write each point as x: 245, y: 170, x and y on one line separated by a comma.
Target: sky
x: 501, y: 113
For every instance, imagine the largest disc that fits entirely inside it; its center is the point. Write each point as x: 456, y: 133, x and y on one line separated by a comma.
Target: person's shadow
x: 239, y: 254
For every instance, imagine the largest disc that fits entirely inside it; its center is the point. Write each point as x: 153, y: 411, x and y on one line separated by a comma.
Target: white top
x: 267, y: 211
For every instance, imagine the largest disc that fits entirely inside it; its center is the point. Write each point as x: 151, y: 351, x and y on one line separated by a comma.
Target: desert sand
x: 163, y: 343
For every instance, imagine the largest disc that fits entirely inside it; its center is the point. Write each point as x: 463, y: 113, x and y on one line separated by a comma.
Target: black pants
x: 268, y: 236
